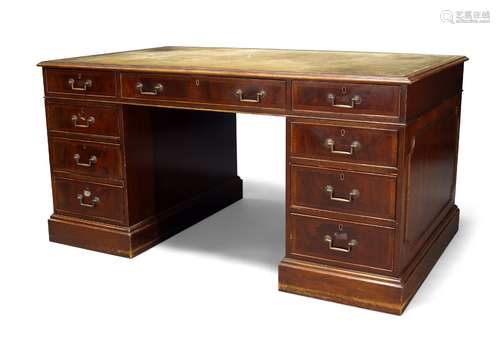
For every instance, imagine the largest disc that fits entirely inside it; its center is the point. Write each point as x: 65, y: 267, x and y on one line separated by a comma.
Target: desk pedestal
x: 178, y: 167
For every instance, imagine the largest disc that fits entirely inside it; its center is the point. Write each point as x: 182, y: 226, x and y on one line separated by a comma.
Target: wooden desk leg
x: 180, y: 167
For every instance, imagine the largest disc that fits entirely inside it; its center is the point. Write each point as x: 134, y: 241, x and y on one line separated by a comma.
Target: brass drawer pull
x: 86, y: 84
x: 86, y: 194
x: 352, y: 243
x: 260, y: 95
x: 356, y: 100
x: 88, y: 121
x: 355, y: 146
x: 92, y: 160
x: 157, y: 89
x: 352, y: 195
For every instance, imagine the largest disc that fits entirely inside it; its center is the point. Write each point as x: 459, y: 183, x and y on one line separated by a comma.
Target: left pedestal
x: 124, y: 178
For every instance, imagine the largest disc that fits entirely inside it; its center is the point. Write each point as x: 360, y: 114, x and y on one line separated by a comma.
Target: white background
x: 215, y: 284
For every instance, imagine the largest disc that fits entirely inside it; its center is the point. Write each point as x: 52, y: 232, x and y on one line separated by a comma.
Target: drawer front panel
x: 84, y: 118
x: 103, y: 202
x: 219, y: 91
x: 343, y: 191
x: 329, y: 241
x: 345, y: 144
x: 247, y: 92
x: 160, y: 87
x: 80, y: 81
x: 87, y: 158
x: 345, y: 98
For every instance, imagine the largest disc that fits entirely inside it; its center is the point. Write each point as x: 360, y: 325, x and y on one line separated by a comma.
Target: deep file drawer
x: 89, y: 200
x: 343, y: 191
x: 336, y: 241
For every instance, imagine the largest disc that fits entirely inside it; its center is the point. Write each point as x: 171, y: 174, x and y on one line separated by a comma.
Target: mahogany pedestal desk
x: 143, y: 144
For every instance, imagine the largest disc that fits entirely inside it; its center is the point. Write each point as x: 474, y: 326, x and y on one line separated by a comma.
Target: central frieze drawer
x: 346, y: 144
x: 87, y: 158
x: 336, y: 97
x: 247, y: 92
x: 343, y: 191
x: 210, y: 90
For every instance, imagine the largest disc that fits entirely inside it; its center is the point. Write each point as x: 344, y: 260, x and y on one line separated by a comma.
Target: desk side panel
x: 426, y: 94
x: 430, y: 175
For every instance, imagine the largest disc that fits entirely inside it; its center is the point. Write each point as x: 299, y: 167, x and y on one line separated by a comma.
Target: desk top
x: 337, y: 65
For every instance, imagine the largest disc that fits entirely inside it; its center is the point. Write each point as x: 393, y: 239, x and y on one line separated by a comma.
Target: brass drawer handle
x: 88, y: 121
x: 356, y: 100
x: 86, y: 84
x: 352, y: 243
x: 86, y: 194
x: 157, y: 89
x: 92, y: 161
x: 352, y: 195
x: 355, y: 146
x: 260, y: 95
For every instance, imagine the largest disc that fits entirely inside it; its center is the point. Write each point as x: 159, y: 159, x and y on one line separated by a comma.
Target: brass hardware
x: 352, y: 195
x: 355, y: 146
x: 92, y: 160
x: 86, y: 194
x: 342, y: 176
x: 156, y: 89
x: 342, y: 132
x: 86, y: 84
x: 356, y: 100
x: 197, y: 82
x: 260, y: 95
x: 352, y: 243
x: 88, y: 121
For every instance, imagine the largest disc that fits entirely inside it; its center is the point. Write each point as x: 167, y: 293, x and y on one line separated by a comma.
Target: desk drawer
x: 328, y: 241
x: 345, y: 144
x: 247, y: 92
x: 160, y: 87
x: 80, y: 81
x: 87, y: 158
x: 345, y: 98
x: 219, y: 91
x: 99, y: 201
x: 83, y: 118
x: 343, y: 191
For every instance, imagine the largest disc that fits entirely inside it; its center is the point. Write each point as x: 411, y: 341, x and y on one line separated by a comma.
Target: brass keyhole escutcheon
x: 340, y: 227
x: 342, y: 176
x: 344, y: 90
x: 197, y: 82
x: 342, y: 132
